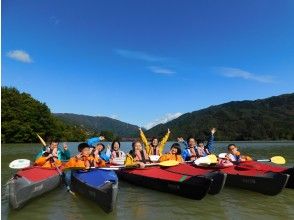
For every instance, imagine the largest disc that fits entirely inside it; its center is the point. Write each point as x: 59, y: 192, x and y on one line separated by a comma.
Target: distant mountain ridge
x: 99, y: 123
x: 263, y: 119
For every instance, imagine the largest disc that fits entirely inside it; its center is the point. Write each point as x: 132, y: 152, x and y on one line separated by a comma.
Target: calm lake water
x: 141, y: 203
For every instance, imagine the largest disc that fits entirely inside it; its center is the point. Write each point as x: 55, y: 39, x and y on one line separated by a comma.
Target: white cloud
x: 114, y: 117
x: 166, y: 118
x: 138, y: 55
x: 160, y: 70
x: 20, y: 55
x: 238, y: 73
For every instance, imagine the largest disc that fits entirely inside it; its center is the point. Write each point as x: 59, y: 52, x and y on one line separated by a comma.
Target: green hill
x: 97, y: 124
x: 263, y: 119
x: 22, y: 117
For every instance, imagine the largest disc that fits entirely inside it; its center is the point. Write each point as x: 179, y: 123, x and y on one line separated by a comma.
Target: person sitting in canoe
x: 116, y: 154
x: 62, y: 155
x: 189, y: 153
x: 137, y: 156
x: 235, y: 156
x: 155, y: 147
x: 203, y: 150
x: 95, y: 159
x: 81, y: 160
x: 194, y: 151
x: 174, y: 154
x: 49, y: 159
x: 100, y: 148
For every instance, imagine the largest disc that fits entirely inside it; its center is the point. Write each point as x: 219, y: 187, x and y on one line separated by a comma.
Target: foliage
x: 264, y: 119
x: 99, y: 123
x: 22, y: 117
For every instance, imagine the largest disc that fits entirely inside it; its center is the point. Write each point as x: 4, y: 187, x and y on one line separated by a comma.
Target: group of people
x: 92, y: 152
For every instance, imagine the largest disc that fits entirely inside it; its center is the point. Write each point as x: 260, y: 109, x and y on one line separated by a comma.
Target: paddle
x: 42, y: 141
x: 213, y: 158
x: 202, y: 161
x: 57, y: 169
x: 20, y: 164
x: 167, y: 163
x: 274, y: 159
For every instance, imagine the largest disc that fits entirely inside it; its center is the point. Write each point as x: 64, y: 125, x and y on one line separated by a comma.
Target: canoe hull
x: 290, y: 183
x: 218, y: 178
x: 268, y: 184
x: 218, y: 182
x: 195, y: 187
x: 105, y: 195
x: 22, y: 189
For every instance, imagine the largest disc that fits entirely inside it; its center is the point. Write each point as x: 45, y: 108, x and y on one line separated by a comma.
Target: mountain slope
x: 99, y: 124
x: 263, y: 119
x: 23, y: 116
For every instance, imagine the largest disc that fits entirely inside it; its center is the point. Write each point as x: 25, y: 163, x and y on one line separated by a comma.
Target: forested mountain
x: 22, y: 117
x: 98, y: 123
x: 263, y: 119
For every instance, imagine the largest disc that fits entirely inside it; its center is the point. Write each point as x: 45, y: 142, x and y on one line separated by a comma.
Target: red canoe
x: 31, y: 182
x: 255, y: 176
x: 218, y: 178
x: 194, y: 187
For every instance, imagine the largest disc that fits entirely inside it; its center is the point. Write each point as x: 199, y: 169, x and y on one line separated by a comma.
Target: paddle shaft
x: 264, y: 160
x: 61, y: 175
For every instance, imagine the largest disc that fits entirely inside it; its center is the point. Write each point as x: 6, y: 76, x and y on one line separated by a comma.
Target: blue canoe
x: 98, y: 185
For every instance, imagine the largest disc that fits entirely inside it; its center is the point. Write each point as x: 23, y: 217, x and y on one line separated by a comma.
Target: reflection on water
x: 141, y: 203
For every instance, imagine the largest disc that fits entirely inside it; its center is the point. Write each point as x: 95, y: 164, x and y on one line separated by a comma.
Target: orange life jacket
x: 78, y: 163
x: 47, y: 163
x: 96, y: 162
x: 170, y: 156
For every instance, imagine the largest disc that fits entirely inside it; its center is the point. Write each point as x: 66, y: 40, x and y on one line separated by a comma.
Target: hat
x: 82, y: 146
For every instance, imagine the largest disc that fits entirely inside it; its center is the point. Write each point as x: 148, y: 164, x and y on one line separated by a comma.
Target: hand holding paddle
x: 56, y: 167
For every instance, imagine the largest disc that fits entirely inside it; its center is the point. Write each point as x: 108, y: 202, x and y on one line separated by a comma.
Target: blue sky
x: 146, y: 62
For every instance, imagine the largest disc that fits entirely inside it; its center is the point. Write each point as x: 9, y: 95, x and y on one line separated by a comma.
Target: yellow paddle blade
x: 213, y: 158
x: 169, y: 163
x: 42, y: 141
x: 278, y: 160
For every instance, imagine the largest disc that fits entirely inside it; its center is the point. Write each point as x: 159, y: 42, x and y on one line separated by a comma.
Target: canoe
x: 268, y: 183
x: 31, y: 182
x: 194, y: 187
x: 100, y: 186
x: 268, y: 167
x: 249, y: 178
x: 218, y: 178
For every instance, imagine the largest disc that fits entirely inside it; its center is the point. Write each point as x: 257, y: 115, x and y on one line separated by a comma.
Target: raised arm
x: 65, y: 153
x: 144, y: 139
x: 210, y: 143
x: 181, y: 140
x: 163, y: 141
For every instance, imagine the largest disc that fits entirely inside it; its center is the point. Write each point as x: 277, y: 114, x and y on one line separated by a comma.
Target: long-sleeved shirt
x: 62, y: 155
x: 159, y: 147
x: 92, y: 142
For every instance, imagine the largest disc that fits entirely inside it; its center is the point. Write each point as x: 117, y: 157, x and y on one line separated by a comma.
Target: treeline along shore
x: 264, y: 119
